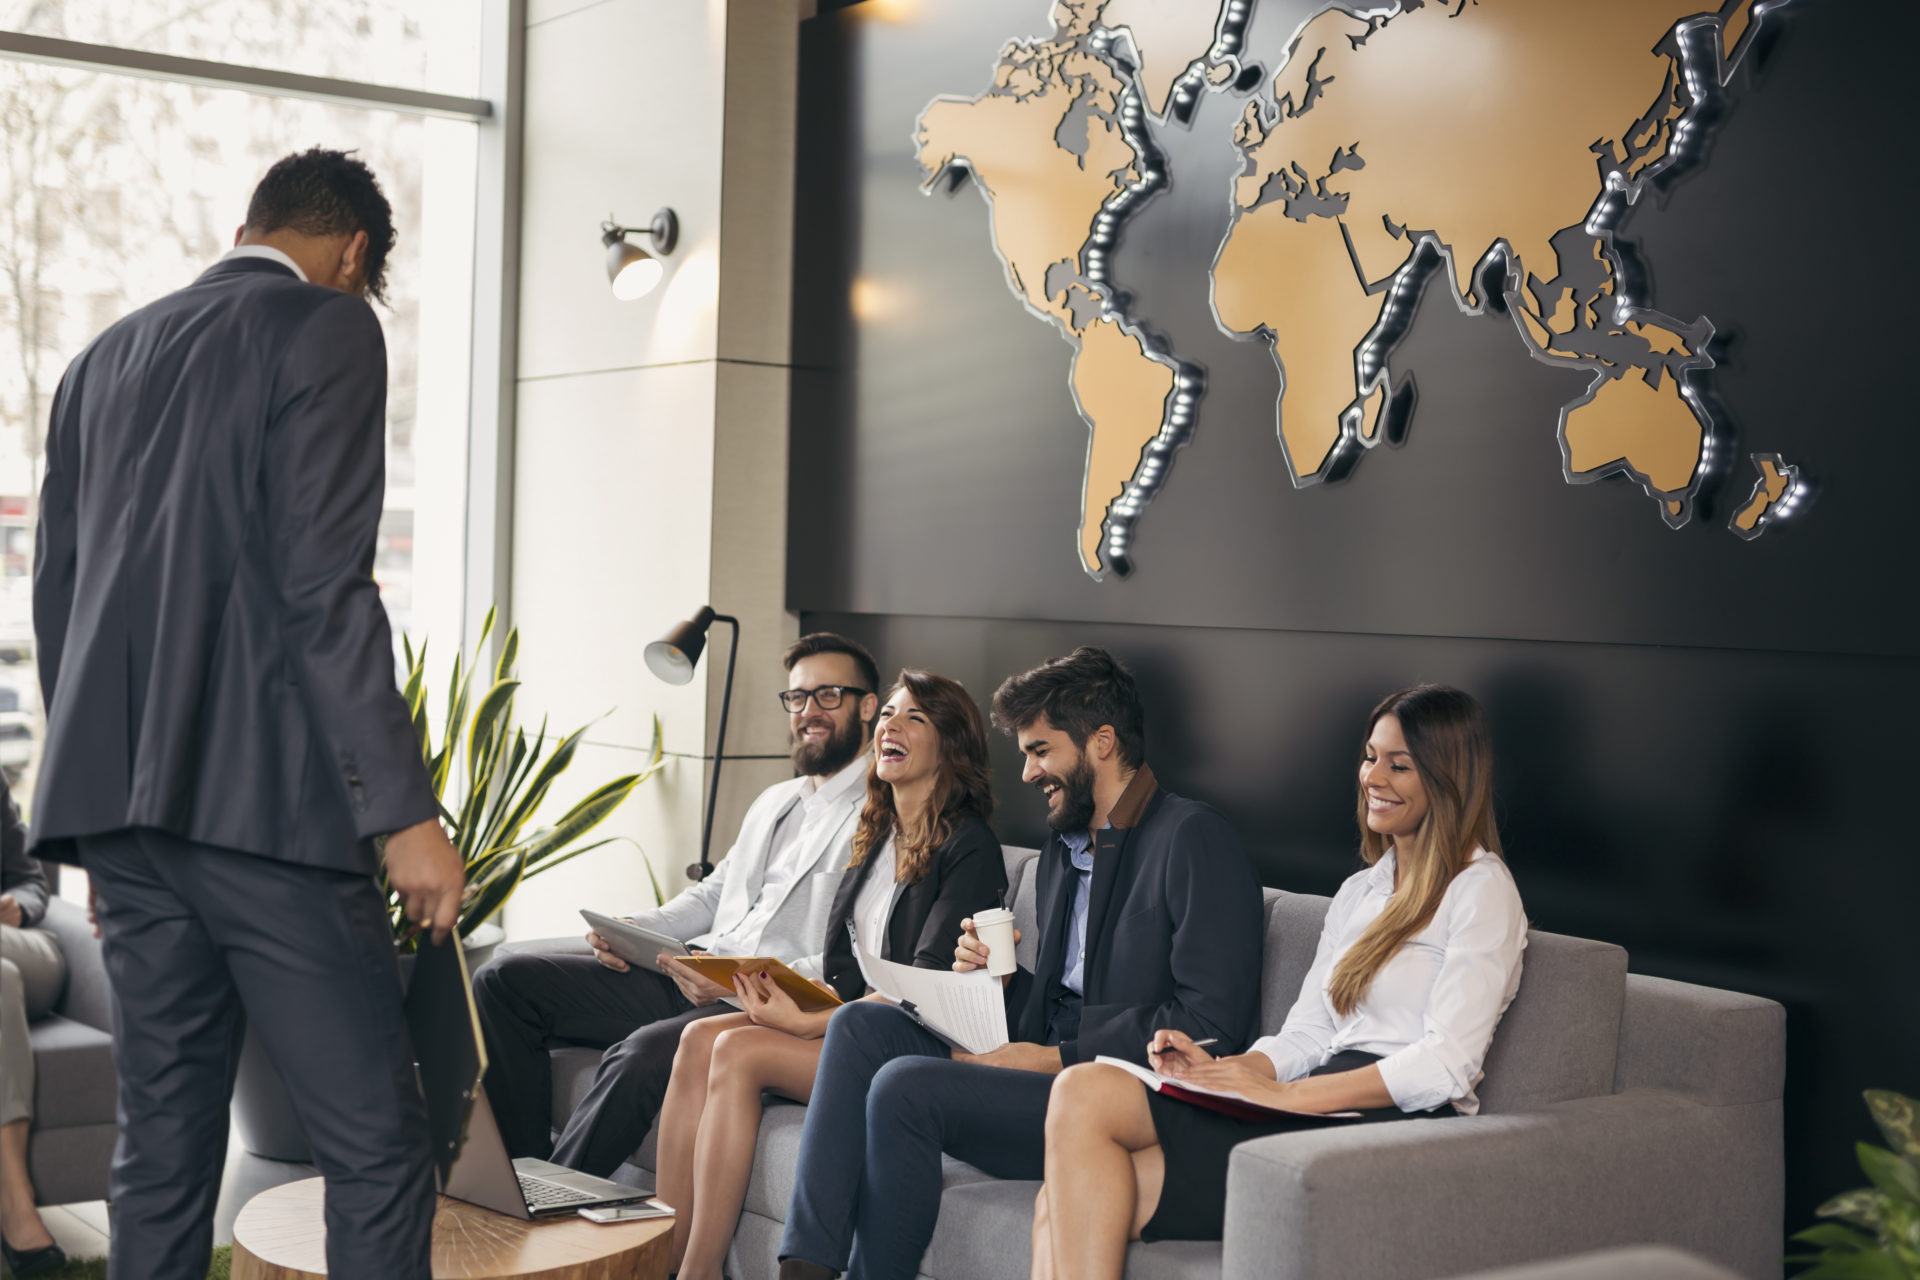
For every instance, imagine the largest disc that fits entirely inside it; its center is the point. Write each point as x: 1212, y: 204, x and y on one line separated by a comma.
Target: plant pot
x: 261, y: 1108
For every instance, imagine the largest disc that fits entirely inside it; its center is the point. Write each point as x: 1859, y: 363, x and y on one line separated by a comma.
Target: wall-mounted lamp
x: 633, y: 270
x: 672, y: 658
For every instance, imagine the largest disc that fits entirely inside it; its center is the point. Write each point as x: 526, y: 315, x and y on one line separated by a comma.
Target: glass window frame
x: 496, y: 251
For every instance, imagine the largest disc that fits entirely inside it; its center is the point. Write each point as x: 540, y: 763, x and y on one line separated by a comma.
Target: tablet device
x: 633, y: 943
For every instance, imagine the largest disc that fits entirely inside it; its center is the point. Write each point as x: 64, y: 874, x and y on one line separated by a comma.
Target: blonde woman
x: 923, y: 860
x: 1419, y: 957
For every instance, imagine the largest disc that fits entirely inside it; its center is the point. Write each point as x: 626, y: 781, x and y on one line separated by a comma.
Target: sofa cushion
x: 1293, y: 932
x: 1022, y: 885
x: 985, y: 1232
x: 1557, y: 1040
x: 73, y: 1077
x: 1718, y: 1047
x: 1560, y: 1035
x: 778, y: 1152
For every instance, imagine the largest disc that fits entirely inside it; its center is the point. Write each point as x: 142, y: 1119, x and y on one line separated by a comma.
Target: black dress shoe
x: 31, y: 1262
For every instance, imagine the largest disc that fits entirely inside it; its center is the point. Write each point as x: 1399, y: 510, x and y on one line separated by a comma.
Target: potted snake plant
x: 492, y: 781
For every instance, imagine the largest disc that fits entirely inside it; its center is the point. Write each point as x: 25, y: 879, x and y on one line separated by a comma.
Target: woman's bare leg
x: 1102, y: 1185
x: 680, y: 1120
x: 745, y: 1061
x: 19, y: 1219
x: 1042, y: 1267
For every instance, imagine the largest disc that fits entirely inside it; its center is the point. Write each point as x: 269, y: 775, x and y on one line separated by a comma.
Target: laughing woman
x: 1419, y: 957
x: 923, y: 860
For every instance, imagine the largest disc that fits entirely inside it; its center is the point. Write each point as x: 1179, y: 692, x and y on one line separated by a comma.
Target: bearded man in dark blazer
x: 225, y: 741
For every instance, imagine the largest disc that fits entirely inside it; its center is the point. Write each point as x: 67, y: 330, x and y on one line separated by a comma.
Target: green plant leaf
x: 491, y: 896
x: 1831, y: 1235
x: 406, y: 649
x: 497, y: 702
x: 1899, y: 1119
x: 579, y: 820
x: 509, y: 654
x: 1895, y: 1175
x: 541, y: 781
x: 1870, y: 1264
x: 1864, y: 1207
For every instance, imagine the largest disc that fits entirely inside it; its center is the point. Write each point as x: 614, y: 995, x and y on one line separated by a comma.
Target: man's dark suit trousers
x: 887, y: 1100
x: 531, y: 1002
x: 192, y: 936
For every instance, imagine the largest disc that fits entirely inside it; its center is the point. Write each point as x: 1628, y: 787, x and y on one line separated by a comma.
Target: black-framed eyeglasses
x: 826, y: 697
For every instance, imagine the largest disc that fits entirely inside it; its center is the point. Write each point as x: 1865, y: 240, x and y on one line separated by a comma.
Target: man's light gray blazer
x: 798, y: 929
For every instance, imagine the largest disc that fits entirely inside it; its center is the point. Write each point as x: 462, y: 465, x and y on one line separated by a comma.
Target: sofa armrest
x: 575, y: 946
x: 1426, y: 1198
x: 88, y: 996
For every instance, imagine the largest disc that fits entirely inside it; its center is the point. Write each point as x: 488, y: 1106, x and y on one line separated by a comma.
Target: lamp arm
x: 704, y: 868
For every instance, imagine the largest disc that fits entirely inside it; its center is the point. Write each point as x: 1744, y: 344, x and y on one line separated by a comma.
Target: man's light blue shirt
x: 1080, y: 853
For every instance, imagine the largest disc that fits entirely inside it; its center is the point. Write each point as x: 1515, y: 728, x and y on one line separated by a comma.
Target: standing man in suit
x: 770, y: 896
x: 225, y: 742
x: 1149, y: 915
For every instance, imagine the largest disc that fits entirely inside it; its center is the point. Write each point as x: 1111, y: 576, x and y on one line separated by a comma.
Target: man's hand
x: 695, y: 986
x: 424, y: 869
x: 1017, y: 1056
x: 970, y: 953
x: 10, y: 911
x: 603, y: 952
x: 1173, y: 1053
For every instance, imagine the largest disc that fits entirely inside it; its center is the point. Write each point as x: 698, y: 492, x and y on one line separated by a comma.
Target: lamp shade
x: 633, y: 271
x: 672, y: 657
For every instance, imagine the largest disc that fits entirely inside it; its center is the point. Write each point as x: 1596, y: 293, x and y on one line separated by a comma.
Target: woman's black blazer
x: 965, y: 875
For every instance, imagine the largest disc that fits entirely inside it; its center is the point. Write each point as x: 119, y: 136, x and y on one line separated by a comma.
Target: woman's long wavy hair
x: 963, y: 786
x: 1446, y: 733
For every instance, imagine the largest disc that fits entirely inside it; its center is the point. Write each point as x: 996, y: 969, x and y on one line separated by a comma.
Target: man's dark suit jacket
x: 214, y: 656
x: 965, y: 875
x: 1175, y: 932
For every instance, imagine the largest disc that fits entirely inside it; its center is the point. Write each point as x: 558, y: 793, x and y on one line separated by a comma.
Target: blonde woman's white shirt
x: 1432, y: 1008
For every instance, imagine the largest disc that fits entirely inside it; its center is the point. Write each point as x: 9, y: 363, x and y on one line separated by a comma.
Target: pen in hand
x: 1198, y: 1044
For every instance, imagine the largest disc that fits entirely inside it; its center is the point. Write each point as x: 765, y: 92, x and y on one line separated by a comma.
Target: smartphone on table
x: 628, y: 1212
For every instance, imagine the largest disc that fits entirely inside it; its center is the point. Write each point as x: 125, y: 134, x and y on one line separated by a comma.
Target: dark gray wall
x: 1701, y: 739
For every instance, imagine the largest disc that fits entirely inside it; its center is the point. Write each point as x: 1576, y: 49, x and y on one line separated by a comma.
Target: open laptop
x: 470, y: 1159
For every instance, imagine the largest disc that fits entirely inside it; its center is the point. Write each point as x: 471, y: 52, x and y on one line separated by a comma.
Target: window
x: 117, y: 188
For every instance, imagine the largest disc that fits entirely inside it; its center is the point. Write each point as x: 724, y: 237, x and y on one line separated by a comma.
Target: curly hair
x: 327, y: 193
x: 1077, y: 694
x: 964, y: 785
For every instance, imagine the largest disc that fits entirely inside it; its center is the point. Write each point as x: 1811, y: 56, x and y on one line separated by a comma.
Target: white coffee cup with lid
x: 995, y: 928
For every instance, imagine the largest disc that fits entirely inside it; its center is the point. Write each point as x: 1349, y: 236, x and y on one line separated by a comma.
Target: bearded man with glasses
x: 771, y: 895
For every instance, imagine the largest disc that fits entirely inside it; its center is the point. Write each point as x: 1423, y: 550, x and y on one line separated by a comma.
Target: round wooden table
x: 280, y: 1236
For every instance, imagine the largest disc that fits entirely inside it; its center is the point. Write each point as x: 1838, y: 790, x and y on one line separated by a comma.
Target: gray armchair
x: 75, y: 1088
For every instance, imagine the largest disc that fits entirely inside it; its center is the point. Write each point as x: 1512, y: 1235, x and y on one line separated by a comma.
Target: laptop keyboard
x: 541, y: 1194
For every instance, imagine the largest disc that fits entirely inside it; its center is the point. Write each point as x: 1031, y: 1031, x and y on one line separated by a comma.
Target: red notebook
x: 1227, y: 1104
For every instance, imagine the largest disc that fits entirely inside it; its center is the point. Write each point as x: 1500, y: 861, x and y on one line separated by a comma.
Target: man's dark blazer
x: 214, y: 656
x: 966, y: 874
x: 1175, y: 932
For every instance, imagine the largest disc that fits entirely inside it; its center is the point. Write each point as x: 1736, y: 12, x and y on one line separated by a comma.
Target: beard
x: 1076, y: 799
x: 825, y: 758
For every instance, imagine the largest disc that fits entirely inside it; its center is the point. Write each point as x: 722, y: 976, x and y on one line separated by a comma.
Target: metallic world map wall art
x: 1362, y: 178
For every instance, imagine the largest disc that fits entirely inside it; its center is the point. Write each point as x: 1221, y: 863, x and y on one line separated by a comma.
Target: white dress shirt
x: 784, y: 863
x: 1432, y: 1008
x: 268, y: 252
x: 873, y: 905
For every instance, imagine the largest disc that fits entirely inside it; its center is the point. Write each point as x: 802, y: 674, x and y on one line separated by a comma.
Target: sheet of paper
x: 1154, y: 1080
x: 967, y: 1010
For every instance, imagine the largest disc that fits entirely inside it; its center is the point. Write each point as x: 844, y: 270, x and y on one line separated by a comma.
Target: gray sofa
x: 74, y: 1087
x: 1616, y: 1110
